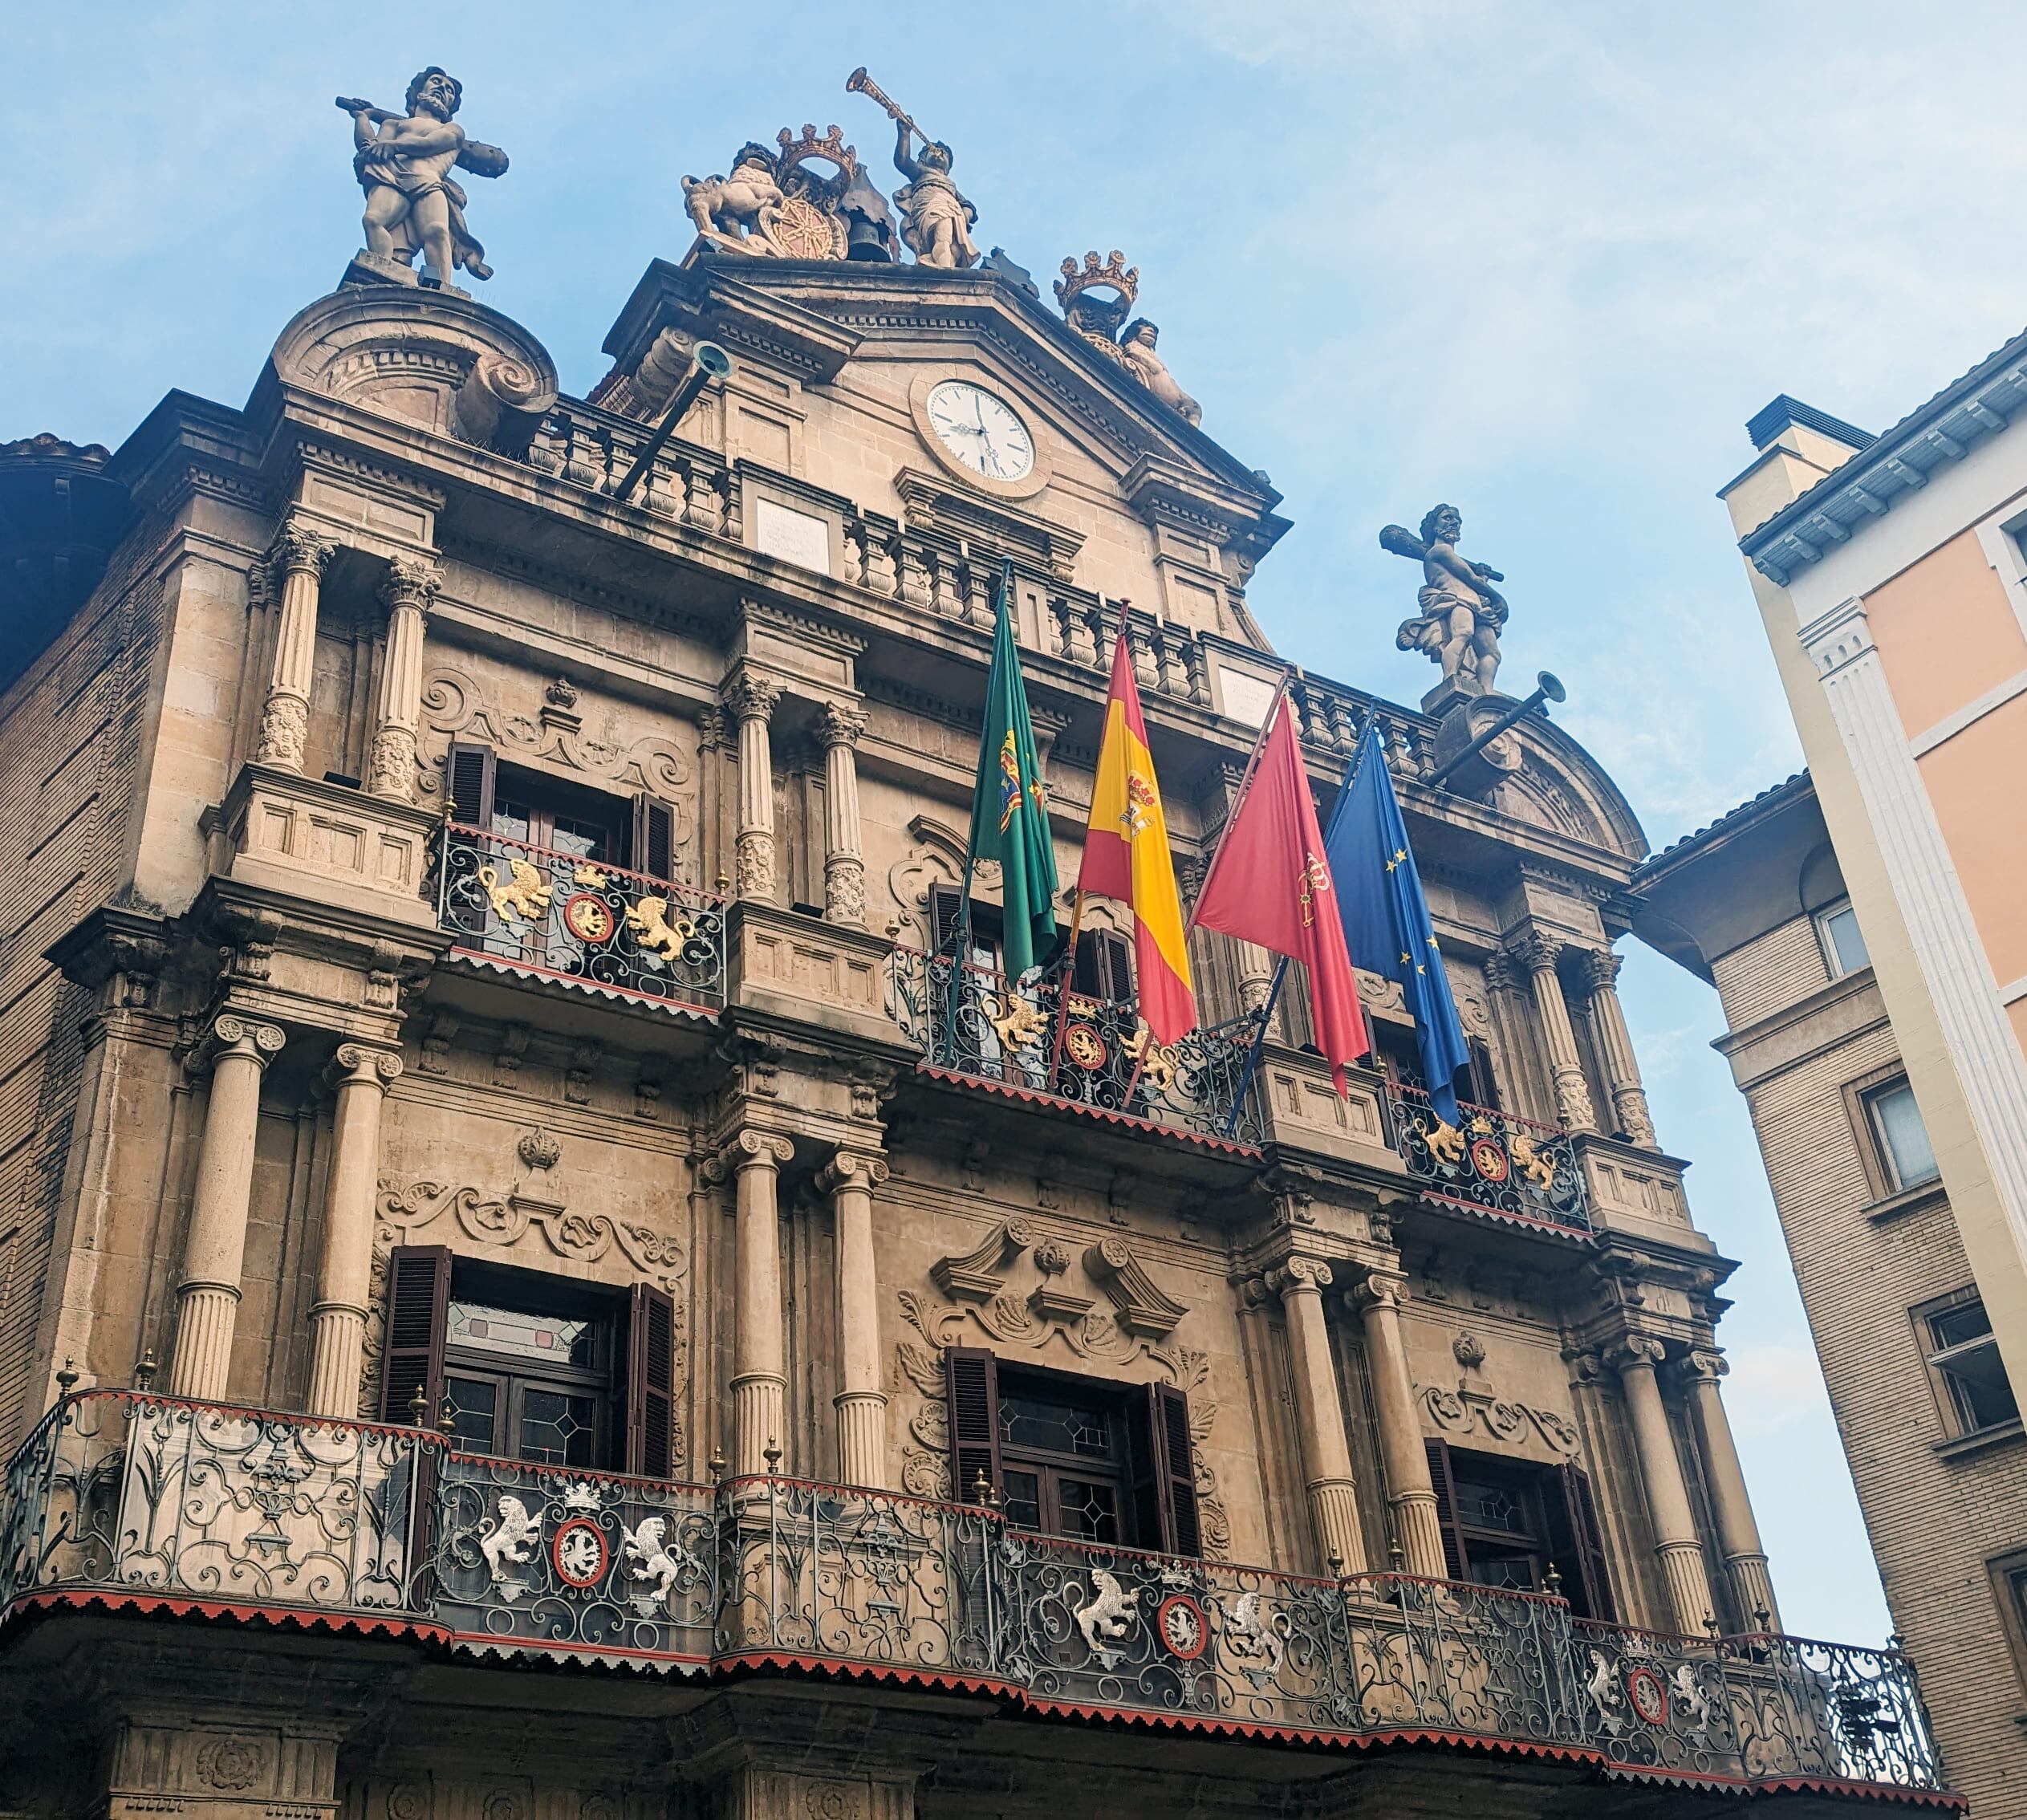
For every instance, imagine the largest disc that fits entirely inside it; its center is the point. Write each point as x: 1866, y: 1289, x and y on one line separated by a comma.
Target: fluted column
x: 750, y: 701
x: 1738, y: 1534
x: 861, y: 1404
x: 1615, y: 1047
x: 1410, y: 1495
x: 214, y: 1248
x: 1319, y: 1414
x: 1538, y: 953
x: 1676, y: 1545
x: 299, y: 557
x: 844, y: 860
x: 408, y: 589
x: 759, y: 1355
x: 338, y: 1320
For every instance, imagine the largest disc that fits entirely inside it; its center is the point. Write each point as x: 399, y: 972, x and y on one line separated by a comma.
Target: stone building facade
x: 537, y: 1283
x: 1757, y: 904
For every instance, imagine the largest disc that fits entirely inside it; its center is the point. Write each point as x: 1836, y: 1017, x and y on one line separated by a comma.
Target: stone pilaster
x: 1411, y: 1495
x: 844, y: 862
x: 1538, y: 954
x: 1615, y: 1047
x: 1676, y: 1546
x: 338, y: 1320
x: 751, y: 701
x: 297, y: 558
x: 214, y: 1248
x: 861, y: 1404
x: 407, y: 591
x: 759, y: 1354
x: 1319, y: 1414
x: 1738, y: 1534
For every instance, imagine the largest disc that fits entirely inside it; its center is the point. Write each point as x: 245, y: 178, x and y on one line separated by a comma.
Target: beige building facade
x: 539, y: 1281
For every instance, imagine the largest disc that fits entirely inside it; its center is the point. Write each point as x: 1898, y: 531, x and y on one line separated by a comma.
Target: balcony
x: 1040, y: 1041
x: 533, y: 911
x: 1511, y: 1167
x: 127, y: 1499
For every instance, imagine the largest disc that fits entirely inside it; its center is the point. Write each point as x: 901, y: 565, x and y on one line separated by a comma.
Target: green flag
x: 1010, y: 810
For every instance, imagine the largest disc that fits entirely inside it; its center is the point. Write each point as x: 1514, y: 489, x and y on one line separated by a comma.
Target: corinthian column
x: 759, y: 1357
x: 1615, y: 1047
x: 1319, y: 1416
x: 338, y: 1320
x: 844, y: 862
x: 299, y: 557
x: 408, y: 589
x: 860, y: 1402
x: 751, y: 700
x: 1410, y: 1495
x: 1676, y: 1545
x: 214, y: 1249
x: 1539, y: 955
x: 1738, y: 1535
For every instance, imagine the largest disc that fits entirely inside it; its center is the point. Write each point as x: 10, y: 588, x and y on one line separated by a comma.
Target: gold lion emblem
x: 1538, y: 1169
x: 1016, y: 1022
x: 1446, y: 1142
x: 527, y: 896
x: 1157, y: 1065
x: 656, y: 931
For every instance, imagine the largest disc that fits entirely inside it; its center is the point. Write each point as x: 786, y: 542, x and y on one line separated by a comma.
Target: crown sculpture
x: 1095, y: 299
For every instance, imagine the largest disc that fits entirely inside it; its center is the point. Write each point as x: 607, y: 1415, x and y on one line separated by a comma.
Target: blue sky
x: 1541, y: 260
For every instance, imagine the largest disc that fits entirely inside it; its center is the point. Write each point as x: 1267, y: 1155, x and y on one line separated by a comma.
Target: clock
x: 982, y: 432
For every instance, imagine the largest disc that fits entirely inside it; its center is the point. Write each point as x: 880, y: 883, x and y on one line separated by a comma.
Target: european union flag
x: 1386, y: 917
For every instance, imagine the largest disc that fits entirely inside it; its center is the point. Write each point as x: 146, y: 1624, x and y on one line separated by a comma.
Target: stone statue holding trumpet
x: 936, y: 220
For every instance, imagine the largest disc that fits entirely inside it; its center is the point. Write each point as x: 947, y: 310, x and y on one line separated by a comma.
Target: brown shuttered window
x: 649, y: 1417
x: 1104, y: 968
x: 1168, y: 1419
x: 654, y: 838
x: 1592, y: 1596
x: 468, y: 776
x: 1456, y: 1559
x: 971, y: 1382
x: 418, y: 1301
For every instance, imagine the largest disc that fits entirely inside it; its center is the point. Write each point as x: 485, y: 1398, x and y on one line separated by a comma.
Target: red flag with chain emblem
x: 1270, y: 884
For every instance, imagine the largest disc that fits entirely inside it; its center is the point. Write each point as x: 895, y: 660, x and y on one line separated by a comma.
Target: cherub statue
x: 726, y: 210
x: 403, y: 163
x: 1137, y: 353
x: 936, y: 220
x: 1458, y: 626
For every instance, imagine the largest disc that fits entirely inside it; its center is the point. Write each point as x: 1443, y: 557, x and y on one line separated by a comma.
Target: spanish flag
x: 1125, y: 857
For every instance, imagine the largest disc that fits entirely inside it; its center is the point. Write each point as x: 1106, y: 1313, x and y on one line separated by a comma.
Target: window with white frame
x: 1906, y: 1155
x: 1968, y: 1371
x: 1837, y: 928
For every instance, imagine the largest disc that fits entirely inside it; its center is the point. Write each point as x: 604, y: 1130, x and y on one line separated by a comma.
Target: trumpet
x: 858, y: 82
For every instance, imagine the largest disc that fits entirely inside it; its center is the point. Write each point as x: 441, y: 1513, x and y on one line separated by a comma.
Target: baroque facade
x: 538, y: 1282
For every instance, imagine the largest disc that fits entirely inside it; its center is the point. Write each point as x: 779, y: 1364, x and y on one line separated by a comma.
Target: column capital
x: 411, y: 581
x: 1537, y: 950
x: 1295, y: 1274
x: 838, y: 724
x: 851, y: 1169
x: 355, y: 1062
x: 1704, y: 1365
x: 1379, y: 1289
x: 1635, y: 1352
x: 1600, y: 968
x: 232, y: 1034
x: 748, y: 1149
x: 297, y: 549
x: 749, y: 695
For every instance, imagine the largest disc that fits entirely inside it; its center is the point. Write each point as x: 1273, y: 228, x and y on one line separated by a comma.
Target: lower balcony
x: 551, y: 915
x: 125, y: 1499
x: 1492, y: 1162
x: 1040, y: 1040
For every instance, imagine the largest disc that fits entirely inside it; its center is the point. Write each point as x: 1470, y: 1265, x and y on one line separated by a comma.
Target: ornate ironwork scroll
x: 1493, y: 1161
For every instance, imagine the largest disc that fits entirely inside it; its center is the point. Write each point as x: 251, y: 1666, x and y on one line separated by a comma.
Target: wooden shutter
x: 651, y: 1383
x: 971, y: 1382
x: 946, y: 913
x: 1169, y: 1412
x: 1104, y: 966
x: 468, y: 776
x: 654, y: 838
x: 1456, y: 1559
x: 1478, y: 1084
x: 418, y: 1309
x: 1594, y: 1590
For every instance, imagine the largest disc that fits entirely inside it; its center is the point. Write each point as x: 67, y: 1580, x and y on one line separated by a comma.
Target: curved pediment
x: 1559, y: 786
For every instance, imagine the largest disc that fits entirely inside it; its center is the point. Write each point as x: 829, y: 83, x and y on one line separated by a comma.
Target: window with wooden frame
x: 1104, y: 968
x: 519, y: 804
x: 1084, y: 1458
x: 2008, y: 1574
x: 529, y: 1367
x: 1962, y: 1353
x: 1505, y: 1521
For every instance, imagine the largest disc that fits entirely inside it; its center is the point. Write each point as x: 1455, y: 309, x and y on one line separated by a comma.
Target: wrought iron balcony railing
x: 1034, y: 1036
x: 1493, y: 1162
x: 122, y: 1496
x: 534, y: 910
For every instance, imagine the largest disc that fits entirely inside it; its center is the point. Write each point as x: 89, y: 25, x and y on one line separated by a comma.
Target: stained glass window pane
x: 515, y: 1335
x: 474, y: 1414
x: 557, y: 1430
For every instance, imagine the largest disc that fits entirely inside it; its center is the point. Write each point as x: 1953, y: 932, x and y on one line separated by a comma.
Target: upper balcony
x: 129, y: 1500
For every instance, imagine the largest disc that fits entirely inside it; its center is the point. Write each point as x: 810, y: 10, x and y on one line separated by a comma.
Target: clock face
x: 981, y: 431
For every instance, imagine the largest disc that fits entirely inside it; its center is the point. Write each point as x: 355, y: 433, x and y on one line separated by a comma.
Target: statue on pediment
x: 403, y: 163
x: 727, y: 209
x: 1096, y: 298
x: 809, y: 199
x: 1461, y: 611
x: 936, y: 220
x: 1137, y: 353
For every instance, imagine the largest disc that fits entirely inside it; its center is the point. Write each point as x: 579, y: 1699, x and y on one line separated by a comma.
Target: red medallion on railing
x: 1184, y: 1630
x: 1489, y: 1160
x: 590, y: 919
x: 1649, y: 1694
x: 578, y: 1551
x: 1084, y: 1046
